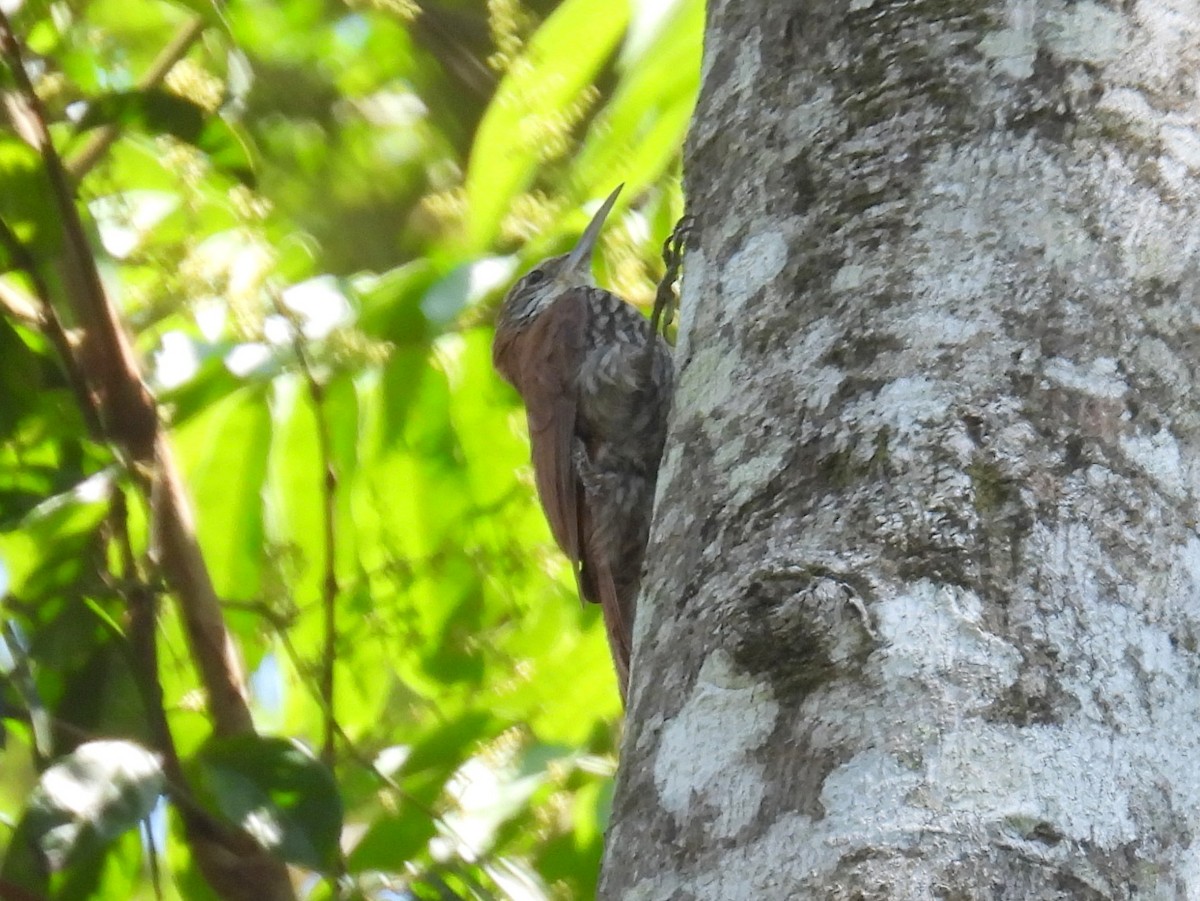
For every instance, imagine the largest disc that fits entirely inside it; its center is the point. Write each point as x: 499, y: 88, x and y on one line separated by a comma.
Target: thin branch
x: 329, y: 485
x: 152, y: 856
x: 102, y: 138
x: 142, y: 640
x: 142, y: 646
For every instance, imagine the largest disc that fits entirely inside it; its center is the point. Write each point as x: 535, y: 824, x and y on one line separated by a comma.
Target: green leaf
x: 392, y: 840
x: 101, y: 694
x: 44, y: 550
x: 20, y: 374
x: 224, y: 453
x: 23, y: 866
x: 443, y: 749
x: 156, y: 111
x: 640, y: 130
x: 391, y: 302
x: 109, y: 872
x: 276, y: 791
x: 26, y: 201
x: 211, y: 383
x: 90, y: 797
x: 563, y: 56
x: 295, y: 474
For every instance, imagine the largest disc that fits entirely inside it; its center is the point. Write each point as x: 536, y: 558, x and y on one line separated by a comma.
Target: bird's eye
x: 535, y: 277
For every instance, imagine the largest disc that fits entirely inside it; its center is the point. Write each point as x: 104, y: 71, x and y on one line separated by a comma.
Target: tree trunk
x: 922, y: 605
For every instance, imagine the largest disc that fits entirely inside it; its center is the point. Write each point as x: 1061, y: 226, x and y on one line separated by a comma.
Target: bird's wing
x: 557, y: 346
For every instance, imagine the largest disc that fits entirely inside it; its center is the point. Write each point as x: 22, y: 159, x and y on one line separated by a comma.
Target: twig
x: 142, y: 639
x: 143, y: 657
x: 329, y: 485
x: 97, y: 145
x: 152, y: 855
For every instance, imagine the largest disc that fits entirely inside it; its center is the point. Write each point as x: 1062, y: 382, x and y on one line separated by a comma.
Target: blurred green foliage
x: 307, y: 225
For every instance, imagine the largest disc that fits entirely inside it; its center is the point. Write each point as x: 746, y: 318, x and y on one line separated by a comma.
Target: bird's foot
x: 665, y: 299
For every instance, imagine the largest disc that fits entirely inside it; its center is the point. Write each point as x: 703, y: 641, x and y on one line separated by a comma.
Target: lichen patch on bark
x: 693, y: 761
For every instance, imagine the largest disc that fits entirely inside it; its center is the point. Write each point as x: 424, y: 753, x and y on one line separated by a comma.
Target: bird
x: 596, y: 379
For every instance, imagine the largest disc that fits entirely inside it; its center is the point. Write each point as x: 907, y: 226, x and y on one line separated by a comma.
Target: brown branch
x: 128, y: 416
x: 105, y: 355
x: 91, y: 153
x: 178, y: 553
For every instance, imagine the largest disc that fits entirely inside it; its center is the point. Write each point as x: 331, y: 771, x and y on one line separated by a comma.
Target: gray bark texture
x: 922, y: 609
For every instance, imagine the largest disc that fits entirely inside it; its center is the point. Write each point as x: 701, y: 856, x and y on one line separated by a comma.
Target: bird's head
x: 546, y: 282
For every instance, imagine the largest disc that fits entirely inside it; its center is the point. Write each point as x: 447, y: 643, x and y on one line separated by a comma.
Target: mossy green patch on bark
x: 992, y: 488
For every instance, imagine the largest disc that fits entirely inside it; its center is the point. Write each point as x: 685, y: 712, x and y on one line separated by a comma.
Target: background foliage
x: 306, y: 225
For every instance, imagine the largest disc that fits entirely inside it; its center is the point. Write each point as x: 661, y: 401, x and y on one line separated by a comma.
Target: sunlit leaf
x: 391, y: 303
x: 393, y: 839
x: 92, y: 795
x: 528, y: 107
x: 294, y: 519
x: 225, y: 455
x: 642, y: 126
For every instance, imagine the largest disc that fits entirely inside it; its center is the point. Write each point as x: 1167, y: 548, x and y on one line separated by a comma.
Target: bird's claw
x: 672, y: 253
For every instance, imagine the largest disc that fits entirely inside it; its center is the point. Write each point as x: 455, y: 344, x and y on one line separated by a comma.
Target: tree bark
x: 922, y: 605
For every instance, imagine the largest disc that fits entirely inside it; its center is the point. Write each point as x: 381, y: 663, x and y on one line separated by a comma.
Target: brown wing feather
x: 542, y: 362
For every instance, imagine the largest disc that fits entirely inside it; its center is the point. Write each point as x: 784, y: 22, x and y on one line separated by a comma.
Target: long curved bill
x: 587, y: 241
